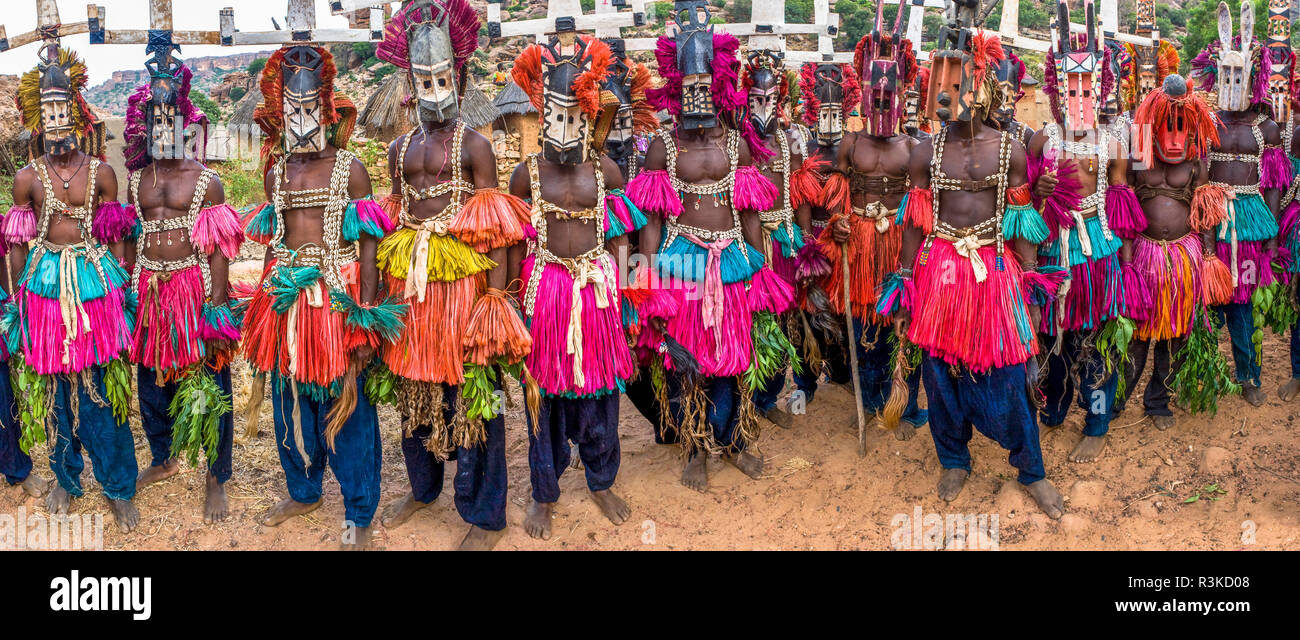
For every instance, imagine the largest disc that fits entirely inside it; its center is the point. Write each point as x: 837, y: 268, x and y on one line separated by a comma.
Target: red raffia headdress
x: 1199, y: 121
x: 338, y: 113
x: 808, y: 86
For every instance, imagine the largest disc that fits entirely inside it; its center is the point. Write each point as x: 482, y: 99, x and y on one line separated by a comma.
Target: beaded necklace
x: 333, y: 255
x: 723, y: 191
x: 184, y: 223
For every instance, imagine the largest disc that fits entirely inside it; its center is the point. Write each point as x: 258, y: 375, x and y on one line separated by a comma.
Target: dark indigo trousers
x: 355, y: 460
x: 109, y: 442
x: 480, y: 481
x: 1096, y: 389
x: 1241, y: 326
x: 641, y: 393
x: 1155, y: 399
x: 996, y: 403
x: 15, y: 465
x: 1295, y: 345
x: 154, y: 401
x: 722, y: 397
x: 592, y: 424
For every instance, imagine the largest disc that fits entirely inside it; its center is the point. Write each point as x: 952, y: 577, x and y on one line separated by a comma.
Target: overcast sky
x: 19, y: 16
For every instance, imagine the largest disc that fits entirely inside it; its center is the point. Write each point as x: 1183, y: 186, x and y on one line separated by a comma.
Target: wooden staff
x: 853, y: 353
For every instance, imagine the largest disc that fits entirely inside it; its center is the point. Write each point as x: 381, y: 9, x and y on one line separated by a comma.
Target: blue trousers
x: 15, y: 465
x: 722, y: 396
x: 875, y: 371
x: 592, y: 424
x: 480, y: 480
x: 1096, y: 389
x: 1241, y: 325
x: 1295, y: 345
x: 355, y: 460
x: 154, y: 401
x: 996, y: 403
x: 109, y: 442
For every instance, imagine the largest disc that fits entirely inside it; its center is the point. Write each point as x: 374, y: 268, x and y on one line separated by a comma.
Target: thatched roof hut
x: 476, y: 109
x: 513, y: 101
x: 517, y: 123
x: 242, y: 115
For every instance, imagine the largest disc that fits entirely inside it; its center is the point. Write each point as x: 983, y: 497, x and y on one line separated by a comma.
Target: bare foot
x: 58, y: 500
x: 905, y: 431
x: 480, y: 539
x: 125, y: 514
x: 35, y: 486
x: 215, y: 505
x: 355, y: 539
x: 779, y: 417
x: 951, y: 483
x: 1163, y: 422
x: 748, y: 463
x: 696, y: 473
x: 1253, y: 395
x: 156, y: 473
x: 1290, y: 390
x: 399, y: 511
x: 1088, y: 449
x: 537, y: 519
x: 1048, y: 498
x: 612, y: 506
x: 285, y: 509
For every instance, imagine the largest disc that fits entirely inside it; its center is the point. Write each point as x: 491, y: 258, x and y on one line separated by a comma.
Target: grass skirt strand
x: 978, y: 325
x: 1172, y: 272
x: 606, y: 358
x: 426, y: 350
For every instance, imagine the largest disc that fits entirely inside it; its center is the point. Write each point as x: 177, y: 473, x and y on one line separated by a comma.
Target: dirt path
x: 816, y: 494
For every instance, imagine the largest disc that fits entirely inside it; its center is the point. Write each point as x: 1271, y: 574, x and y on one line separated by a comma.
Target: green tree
x: 237, y: 93
x: 206, y: 105
x: 742, y: 10
x: 255, y: 67
x: 799, y: 11
x: 1203, y: 26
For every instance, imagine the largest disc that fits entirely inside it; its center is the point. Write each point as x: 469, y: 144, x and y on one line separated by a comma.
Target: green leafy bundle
x: 479, y: 390
x: 196, y: 411
x: 772, y: 349
x: 1205, y: 374
x: 1272, y: 306
x: 117, y: 387
x: 381, y: 385
x: 1112, y: 344
x: 33, y: 393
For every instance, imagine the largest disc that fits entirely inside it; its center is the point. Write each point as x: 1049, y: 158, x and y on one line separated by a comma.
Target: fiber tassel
x: 1274, y: 169
x: 806, y: 182
x: 533, y: 399
x: 811, y: 263
x: 218, y: 227
x: 253, y: 408
x: 1216, y: 282
x: 345, y: 404
x: 1123, y: 212
x: 1209, y: 206
x: 920, y: 209
x: 19, y: 225
x: 652, y: 191
x: 1065, y: 198
x: 835, y: 195
x: 495, y: 330
x: 680, y: 361
x: 491, y: 220
x: 112, y: 223
x: 896, y: 404
x: 754, y: 192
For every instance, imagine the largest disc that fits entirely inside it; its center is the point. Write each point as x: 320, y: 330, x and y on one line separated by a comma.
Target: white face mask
x: 1233, y: 81
x: 303, y: 132
x: 762, y: 107
x: 830, y: 123
x: 564, y: 134
x: 56, y: 123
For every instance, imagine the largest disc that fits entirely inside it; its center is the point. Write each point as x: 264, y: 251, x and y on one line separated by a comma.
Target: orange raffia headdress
x: 593, y: 58
x: 338, y: 113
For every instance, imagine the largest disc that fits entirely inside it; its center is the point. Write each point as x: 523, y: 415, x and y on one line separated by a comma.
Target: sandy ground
x: 816, y: 492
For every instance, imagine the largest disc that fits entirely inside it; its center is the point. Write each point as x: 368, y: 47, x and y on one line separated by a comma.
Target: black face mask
x: 618, y: 83
x: 162, y: 113
x: 695, y: 63
x: 829, y: 91
x: 764, y: 97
